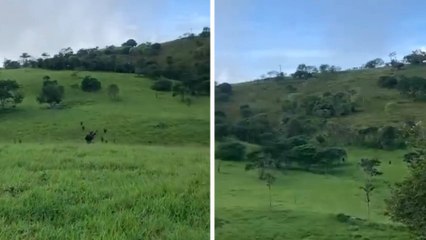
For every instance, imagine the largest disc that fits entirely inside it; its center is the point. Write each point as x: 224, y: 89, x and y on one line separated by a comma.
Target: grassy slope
x: 305, y: 204
x: 151, y: 184
x: 268, y: 95
x: 130, y: 121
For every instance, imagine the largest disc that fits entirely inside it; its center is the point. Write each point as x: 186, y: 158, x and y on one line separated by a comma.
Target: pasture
x: 148, y: 180
x: 305, y: 205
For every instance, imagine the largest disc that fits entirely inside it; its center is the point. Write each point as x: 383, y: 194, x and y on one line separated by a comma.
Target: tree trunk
x: 368, y: 210
x: 270, y: 197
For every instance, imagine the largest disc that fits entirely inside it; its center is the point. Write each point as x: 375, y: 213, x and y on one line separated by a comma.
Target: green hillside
x: 186, y: 59
x: 145, y: 177
x: 256, y: 124
x: 267, y: 96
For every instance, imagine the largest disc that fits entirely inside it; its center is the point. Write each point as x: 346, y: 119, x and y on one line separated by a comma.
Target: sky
x: 37, y: 26
x: 254, y: 37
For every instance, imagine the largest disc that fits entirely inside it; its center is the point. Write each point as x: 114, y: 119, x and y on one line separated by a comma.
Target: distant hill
x: 186, y: 59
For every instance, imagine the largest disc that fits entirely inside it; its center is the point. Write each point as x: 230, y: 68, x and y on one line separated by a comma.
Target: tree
x: 225, y: 88
x: 113, y: 91
x: 130, y: 43
x: 324, y: 68
x: 51, y: 93
x: 231, y: 151
x: 270, y: 179
x: 9, y: 64
x: 387, y: 82
x: 9, y: 93
x: 205, y: 33
x: 24, y: 56
x: 162, y: 85
x: 368, y: 189
x: 304, y: 72
x: 369, y: 166
x: 407, y: 201
x: 415, y: 157
x: 416, y: 57
x: 90, y: 84
x: 374, y: 63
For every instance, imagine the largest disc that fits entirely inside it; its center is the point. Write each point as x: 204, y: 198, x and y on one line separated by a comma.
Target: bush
x: 90, y: 84
x: 343, y: 218
x: 162, y: 85
x: 231, y: 151
x: 387, y: 82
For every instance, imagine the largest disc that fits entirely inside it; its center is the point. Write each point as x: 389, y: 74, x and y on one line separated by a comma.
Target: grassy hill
x: 307, y: 205
x: 149, y: 181
x: 267, y: 96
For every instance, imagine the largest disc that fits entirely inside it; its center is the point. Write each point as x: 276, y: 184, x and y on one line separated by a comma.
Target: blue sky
x: 50, y: 25
x: 254, y: 37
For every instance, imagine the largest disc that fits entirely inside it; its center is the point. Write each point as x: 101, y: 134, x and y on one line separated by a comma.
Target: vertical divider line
x: 212, y: 110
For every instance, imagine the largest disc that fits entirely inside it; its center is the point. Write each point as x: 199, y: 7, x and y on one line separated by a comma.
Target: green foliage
x: 129, y: 43
x: 304, y: 72
x: 10, y: 94
x: 113, y: 91
x: 415, y: 158
x: 387, y: 82
x: 390, y: 138
x: 304, y: 155
x: 416, y: 57
x: 407, y: 201
x: 245, y: 111
x: 51, y: 93
x: 162, y: 85
x: 90, y: 84
x: 414, y: 87
x: 221, y: 125
x: 369, y: 166
x: 329, y: 105
x: 378, y: 62
x: 10, y: 64
x: 230, y: 151
x: 250, y: 129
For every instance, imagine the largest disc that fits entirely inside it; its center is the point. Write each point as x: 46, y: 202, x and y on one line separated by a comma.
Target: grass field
x: 305, y: 205
x: 147, y: 182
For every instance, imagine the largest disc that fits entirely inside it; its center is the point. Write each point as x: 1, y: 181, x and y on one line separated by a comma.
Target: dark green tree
x: 113, y: 91
x: 51, y: 93
x: 9, y: 93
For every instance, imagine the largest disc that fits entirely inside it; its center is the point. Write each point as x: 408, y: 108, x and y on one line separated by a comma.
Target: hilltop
x: 186, y: 59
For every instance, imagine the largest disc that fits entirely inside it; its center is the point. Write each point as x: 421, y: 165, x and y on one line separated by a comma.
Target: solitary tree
x: 130, y: 43
x: 51, y: 93
x: 9, y: 93
x: 113, y: 91
x: 369, y: 166
x: 24, y: 56
x: 270, y: 179
x: 368, y: 189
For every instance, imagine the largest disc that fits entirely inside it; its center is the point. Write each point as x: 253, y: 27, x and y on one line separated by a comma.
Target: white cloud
x: 50, y: 25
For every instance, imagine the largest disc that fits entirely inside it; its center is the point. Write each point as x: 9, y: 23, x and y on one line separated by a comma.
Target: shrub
x: 341, y: 217
x: 162, y: 85
x: 387, y: 82
x: 90, y: 84
x: 231, y: 151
